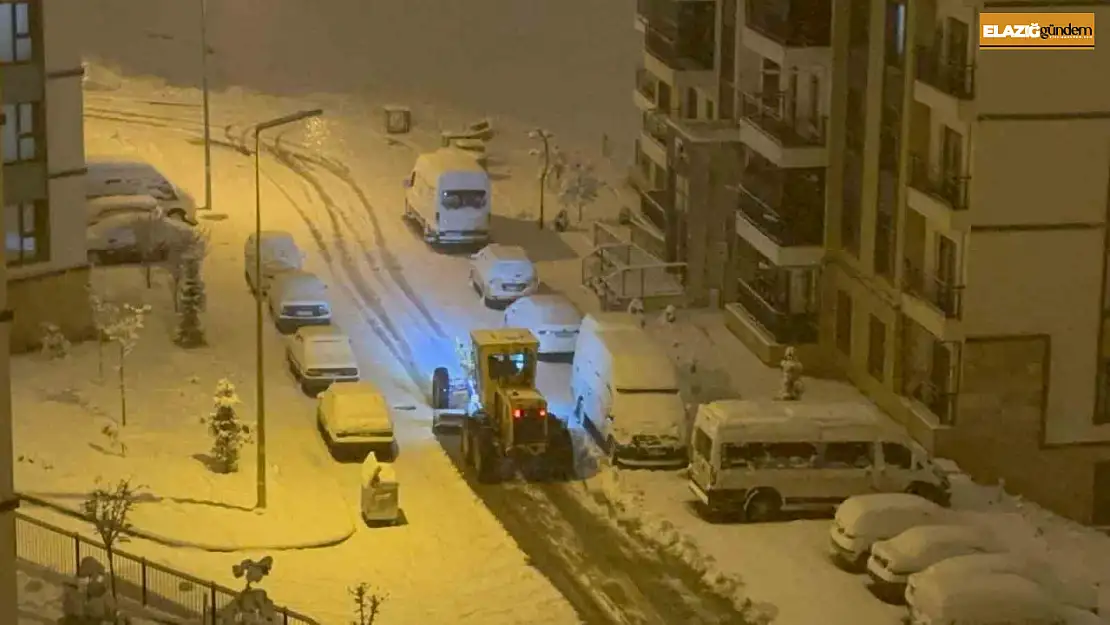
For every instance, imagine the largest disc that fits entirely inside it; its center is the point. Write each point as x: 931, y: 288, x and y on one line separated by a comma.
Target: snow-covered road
x: 404, y: 305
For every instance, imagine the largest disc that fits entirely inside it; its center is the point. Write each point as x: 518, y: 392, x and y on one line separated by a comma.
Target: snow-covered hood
x: 885, y: 515
x: 661, y: 415
x: 363, y: 423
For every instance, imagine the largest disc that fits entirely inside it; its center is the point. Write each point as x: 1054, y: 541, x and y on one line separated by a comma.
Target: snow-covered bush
x: 190, y: 302
x: 670, y: 314
x: 108, y: 509
x: 580, y: 187
x: 368, y: 604
x: 124, y: 331
x: 86, y: 600
x: 227, y: 432
x: 55, y: 345
x: 252, y: 606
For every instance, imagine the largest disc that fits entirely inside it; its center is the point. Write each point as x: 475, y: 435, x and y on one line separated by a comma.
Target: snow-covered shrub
x: 636, y: 307
x: 580, y: 187
x: 670, y: 314
x: 86, y: 600
x: 190, y: 302
x: 368, y: 604
x: 55, y: 345
x: 252, y: 606
x: 124, y: 331
x: 108, y: 509
x: 562, y: 220
x: 227, y: 432
x: 183, y: 248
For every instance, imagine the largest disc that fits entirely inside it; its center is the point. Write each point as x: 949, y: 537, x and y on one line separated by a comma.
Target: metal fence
x: 152, y: 585
x: 619, y: 271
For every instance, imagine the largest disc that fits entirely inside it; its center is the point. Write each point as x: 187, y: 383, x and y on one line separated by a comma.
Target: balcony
x: 653, y: 206
x: 930, y: 379
x: 942, y: 295
x: 783, y: 137
x: 646, y: 95
x: 806, y: 228
x: 943, y: 85
x: 791, y: 23
x: 941, y: 195
x: 786, y: 328
x: 655, y: 133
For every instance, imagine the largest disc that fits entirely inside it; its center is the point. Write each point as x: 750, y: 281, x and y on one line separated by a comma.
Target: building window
x: 25, y: 229
x: 20, y: 133
x: 876, y: 349
x: 15, y: 32
x: 844, y: 323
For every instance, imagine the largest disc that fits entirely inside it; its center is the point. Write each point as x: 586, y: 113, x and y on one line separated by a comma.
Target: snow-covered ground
x: 40, y: 595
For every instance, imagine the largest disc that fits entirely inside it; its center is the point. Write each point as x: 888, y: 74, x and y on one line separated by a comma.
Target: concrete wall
x: 59, y: 298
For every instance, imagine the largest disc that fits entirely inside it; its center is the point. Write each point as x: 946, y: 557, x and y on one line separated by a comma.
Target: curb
x: 211, y: 547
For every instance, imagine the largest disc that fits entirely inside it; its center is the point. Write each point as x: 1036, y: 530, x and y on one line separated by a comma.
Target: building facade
x: 924, y: 218
x: 44, y: 170
x: 9, y: 502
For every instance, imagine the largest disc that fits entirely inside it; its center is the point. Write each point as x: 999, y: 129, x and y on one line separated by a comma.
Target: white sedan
x: 502, y: 274
x: 554, y: 320
x: 354, y: 420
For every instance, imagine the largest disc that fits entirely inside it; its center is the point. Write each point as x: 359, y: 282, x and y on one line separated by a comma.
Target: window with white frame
x: 20, y: 132
x: 16, y: 43
x: 25, y: 227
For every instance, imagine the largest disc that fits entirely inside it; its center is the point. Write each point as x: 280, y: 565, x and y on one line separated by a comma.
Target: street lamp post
x: 544, y: 136
x: 260, y: 387
x: 204, y: 96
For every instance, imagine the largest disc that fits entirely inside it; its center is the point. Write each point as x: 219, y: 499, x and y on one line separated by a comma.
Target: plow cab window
x: 511, y: 369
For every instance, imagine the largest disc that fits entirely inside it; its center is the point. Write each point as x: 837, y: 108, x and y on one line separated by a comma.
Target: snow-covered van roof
x: 547, y: 309
x: 598, y: 321
x: 446, y: 160
x: 802, y: 420
x: 638, y: 363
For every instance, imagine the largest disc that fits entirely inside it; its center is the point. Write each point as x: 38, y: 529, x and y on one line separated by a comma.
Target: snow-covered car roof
x: 545, y: 309
x: 856, y: 507
x: 355, y: 408
x: 924, y: 544
x: 1071, y: 591
x: 121, y: 230
x: 501, y: 252
x: 990, y: 599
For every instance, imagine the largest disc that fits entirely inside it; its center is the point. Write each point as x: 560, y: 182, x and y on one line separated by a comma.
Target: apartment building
x: 924, y: 217
x: 9, y: 501
x: 44, y: 172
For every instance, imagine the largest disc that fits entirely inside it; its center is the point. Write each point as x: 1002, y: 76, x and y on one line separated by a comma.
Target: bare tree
x: 105, y: 314
x: 108, y: 509
x: 368, y: 604
x: 125, y: 332
x: 580, y: 186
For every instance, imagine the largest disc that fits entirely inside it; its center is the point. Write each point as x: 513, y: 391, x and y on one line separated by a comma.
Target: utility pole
x: 545, y: 136
x: 204, y: 95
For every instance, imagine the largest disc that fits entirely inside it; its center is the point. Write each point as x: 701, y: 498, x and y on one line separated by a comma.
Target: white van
x: 448, y: 196
x: 280, y: 254
x: 298, y: 299
x: 760, y: 457
x: 112, y: 177
x: 627, y: 396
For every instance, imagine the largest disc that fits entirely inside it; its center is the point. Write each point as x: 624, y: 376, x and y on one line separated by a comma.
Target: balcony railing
x: 791, y: 23
x: 654, y: 208
x: 690, y: 56
x: 806, y: 227
x: 955, y: 79
x: 941, y: 294
x: 767, y: 111
x: 647, y: 85
x: 940, y: 402
x: 656, y: 127
x: 788, y: 329
x: 946, y: 186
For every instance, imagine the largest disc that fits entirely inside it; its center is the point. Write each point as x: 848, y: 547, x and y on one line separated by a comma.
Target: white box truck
x: 447, y: 196
x: 626, y: 393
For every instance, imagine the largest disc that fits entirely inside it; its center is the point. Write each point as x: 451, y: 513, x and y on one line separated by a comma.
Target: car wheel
x: 96, y: 258
x: 762, y: 507
x: 613, y: 452
x: 178, y: 215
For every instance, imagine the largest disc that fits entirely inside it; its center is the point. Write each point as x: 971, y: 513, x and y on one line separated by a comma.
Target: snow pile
x: 612, y: 493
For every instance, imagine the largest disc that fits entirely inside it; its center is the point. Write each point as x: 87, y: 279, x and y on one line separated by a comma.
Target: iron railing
x: 767, y: 111
x: 619, y: 271
x: 942, y: 403
x: 655, y: 125
x: 805, y: 227
x: 955, y: 79
x: 793, y: 23
x: 685, y: 56
x: 150, y: 584
x: 786, y: 328
x: 647, y: 85
x: 951, y: 188
x: 941, y: 294
x: 653, y: 209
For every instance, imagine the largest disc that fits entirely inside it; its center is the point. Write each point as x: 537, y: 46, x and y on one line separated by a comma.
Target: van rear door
x: 463, y: 209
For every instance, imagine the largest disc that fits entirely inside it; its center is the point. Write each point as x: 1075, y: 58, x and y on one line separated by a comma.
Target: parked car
x: 988, y: 599
x: 354, y: 420
x: 1072, y: 592
x: 319, y: 356
x: 502, y: 274
x: 99, y: 208
x: 107, y: 176
x: 131, y: 234
x: 554, y: 320
x: 297, y: 299
x: 379, y: 501
x: 863, y: 520
x: 279, y: 254
x: 916, y: 549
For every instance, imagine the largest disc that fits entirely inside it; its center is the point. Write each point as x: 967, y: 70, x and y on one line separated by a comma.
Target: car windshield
x: 464, y: 199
